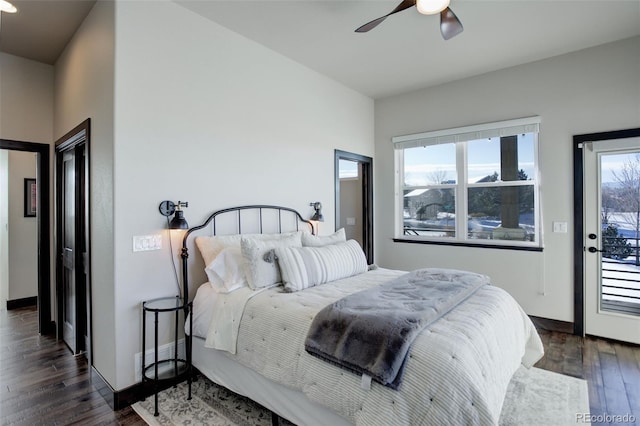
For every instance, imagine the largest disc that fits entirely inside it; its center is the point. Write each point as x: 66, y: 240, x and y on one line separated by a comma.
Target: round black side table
x: 174, y: 368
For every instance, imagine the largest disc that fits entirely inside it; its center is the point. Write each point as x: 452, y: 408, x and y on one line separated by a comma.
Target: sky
x: 424, y: 164
x: 484, y: 159
x: 615, y: 162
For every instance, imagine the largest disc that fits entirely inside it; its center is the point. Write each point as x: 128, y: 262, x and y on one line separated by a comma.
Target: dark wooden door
x: 72, y: 241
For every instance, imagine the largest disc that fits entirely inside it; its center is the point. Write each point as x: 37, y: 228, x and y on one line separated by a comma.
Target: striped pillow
x: 304, y: 267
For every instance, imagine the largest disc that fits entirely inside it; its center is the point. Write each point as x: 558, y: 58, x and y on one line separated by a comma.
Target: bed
x: 252, y: 339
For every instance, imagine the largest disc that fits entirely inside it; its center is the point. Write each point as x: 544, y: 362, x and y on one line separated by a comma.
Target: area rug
x: 534, y: 397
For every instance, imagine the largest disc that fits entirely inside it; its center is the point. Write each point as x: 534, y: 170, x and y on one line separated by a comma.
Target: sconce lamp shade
x: 317, y: 216
x: 178, y: 221
x: 167, y: 208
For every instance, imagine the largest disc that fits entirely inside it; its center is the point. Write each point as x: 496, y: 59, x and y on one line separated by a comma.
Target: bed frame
x: 258, y: 225
x: 215, y: 365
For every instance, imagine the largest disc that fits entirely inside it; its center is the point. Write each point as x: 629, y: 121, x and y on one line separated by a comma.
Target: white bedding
x: 202, y: 310
x: 457, y: 373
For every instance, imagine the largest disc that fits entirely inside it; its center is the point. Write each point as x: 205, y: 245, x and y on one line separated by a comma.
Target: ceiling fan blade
x: 406, y: 4
x: 450, y: 25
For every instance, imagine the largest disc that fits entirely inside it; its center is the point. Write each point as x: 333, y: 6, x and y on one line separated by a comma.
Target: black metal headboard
x: 297, y: 217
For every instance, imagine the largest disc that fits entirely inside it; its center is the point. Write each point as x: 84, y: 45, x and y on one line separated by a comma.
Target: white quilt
x: 227, y: 310
x: 457, y: 372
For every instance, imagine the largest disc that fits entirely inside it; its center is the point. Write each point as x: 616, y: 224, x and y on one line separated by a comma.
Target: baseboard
x: 22, y: 303
x: 123, y: 398
x: 552, y: 325
x: 103, y: 388
x: 117, y: 400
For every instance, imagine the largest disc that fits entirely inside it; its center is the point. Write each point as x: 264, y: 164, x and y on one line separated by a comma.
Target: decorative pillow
x: 309, y: 240
x: 305, y: 267
x: 261, y: 268
x: 211, y: 246
x: 226, y: 271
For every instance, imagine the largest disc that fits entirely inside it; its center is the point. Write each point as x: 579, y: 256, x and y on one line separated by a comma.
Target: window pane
x: 501, y: 159
x: 347, y: 169
x: 502, y: 213
x: 430, y: 212
x: 430, y: 165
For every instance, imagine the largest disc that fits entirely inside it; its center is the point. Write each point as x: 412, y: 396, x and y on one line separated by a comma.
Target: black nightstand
x: 172, y: 369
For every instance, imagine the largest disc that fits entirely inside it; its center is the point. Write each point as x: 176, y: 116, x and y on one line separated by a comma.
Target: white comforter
x: 457, y: 373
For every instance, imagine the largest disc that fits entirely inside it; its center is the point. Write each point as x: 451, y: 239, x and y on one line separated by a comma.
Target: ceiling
x: 404, y: 53
x: 41, y: 28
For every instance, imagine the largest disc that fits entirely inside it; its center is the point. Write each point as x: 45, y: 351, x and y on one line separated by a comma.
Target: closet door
x: 72, y: 242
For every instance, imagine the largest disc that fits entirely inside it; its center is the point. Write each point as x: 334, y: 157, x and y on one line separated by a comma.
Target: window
x: 472, y: 185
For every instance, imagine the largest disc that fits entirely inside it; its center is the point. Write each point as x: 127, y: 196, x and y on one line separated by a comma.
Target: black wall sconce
x: 167, y: 208
x: 317, y: 216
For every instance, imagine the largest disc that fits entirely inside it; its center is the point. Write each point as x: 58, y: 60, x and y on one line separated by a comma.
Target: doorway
x: 43, y: 216
x: 354, y: 198
x: 608, y: 204
x: 72, y: 241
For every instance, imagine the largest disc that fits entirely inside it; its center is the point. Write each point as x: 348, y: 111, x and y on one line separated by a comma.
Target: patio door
x: 611, y: 224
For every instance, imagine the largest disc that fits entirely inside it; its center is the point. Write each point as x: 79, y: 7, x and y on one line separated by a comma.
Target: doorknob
x: 594, y: 250
x: 592, y: 236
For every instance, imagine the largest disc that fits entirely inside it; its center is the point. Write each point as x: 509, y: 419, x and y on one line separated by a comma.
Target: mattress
x: 457, y: 372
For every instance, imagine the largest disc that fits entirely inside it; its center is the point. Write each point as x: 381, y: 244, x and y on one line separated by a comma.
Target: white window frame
x: 460, y: 136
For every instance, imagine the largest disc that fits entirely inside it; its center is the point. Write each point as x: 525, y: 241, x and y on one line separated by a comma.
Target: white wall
x: 593, y: 90
x: 207, y: 116
x: 84, y: 82
x: 26, y: 114
x: 26, y: 99
x: 23, y: 231
x: 4, y: 228
x: 183, y: 109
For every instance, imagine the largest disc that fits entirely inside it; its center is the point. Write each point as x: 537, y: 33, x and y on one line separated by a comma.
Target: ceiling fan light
x: 431, y: 7
x: 5, y: 6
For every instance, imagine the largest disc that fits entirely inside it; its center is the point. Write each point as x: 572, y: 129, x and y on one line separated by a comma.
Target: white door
x: 611, y: 256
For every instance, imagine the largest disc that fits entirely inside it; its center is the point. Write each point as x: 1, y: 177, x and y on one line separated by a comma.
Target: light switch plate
x: 560, y: 227
x: 147, y: 242
x: 351, y: 221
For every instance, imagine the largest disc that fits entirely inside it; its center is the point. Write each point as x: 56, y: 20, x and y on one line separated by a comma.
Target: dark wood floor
x: 42, y: 383
x: 611, y: 369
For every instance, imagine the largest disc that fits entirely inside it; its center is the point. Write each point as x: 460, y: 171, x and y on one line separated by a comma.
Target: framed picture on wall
x: 30, y: 199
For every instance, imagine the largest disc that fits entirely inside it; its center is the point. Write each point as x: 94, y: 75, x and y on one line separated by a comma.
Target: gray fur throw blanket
x: 371, y: 332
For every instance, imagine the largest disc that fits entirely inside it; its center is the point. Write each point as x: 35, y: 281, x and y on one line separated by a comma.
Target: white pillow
x: 305, y: 267
x: 226, y: 271
x: 211, y: 246
x: 261, y: 268
x: 309, y: 240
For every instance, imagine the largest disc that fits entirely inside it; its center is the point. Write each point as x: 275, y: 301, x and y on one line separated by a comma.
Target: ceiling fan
x: 450, y: 25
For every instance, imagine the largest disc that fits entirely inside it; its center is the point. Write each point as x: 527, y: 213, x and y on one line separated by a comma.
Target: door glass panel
x: 620, y: 223
x: 69, y: 203
x: 68, y: 252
